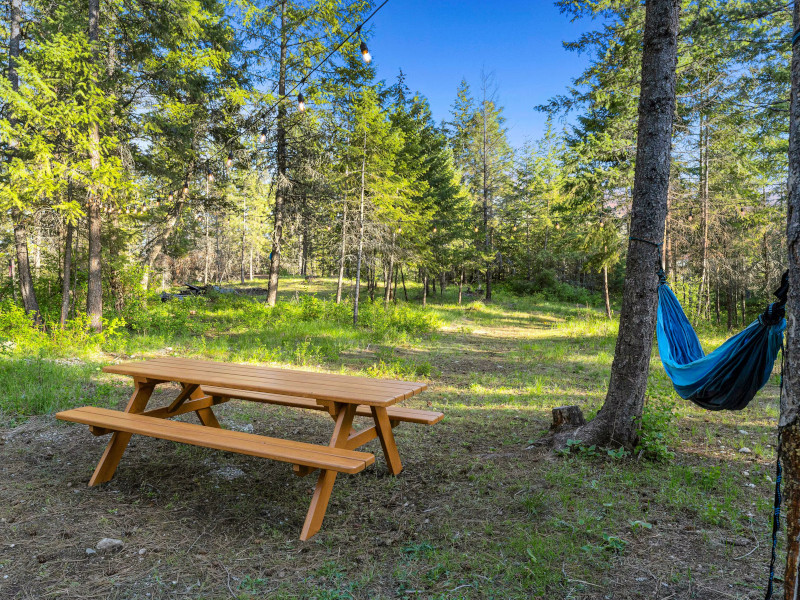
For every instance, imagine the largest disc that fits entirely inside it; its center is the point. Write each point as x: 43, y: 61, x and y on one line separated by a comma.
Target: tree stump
x: 567, y: 416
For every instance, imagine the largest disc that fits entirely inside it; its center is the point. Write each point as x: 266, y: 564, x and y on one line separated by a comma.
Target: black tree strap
x: 636, y: 239
x: 776, y: 506
x: 796, y: 37
x: 662, y: 276
x: 776, y: 523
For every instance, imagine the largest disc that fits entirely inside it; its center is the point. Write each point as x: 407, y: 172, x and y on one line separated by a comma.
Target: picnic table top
x: 320, y: 386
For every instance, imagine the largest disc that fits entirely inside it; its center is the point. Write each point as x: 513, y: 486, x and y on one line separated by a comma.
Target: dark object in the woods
x: 192, y: 290
x: 567, y: 416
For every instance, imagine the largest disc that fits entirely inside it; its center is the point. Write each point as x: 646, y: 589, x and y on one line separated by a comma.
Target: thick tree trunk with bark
x: 789, y: 425
x: 616, y: 423
x: 280, y: 188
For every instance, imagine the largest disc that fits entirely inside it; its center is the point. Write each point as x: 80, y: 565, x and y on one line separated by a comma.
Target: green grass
x: 476, y: 514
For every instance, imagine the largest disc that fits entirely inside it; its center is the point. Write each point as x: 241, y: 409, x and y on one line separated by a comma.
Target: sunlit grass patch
x: 38, y: 386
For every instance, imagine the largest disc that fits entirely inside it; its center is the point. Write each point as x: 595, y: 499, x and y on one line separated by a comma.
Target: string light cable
x: 366, y: 56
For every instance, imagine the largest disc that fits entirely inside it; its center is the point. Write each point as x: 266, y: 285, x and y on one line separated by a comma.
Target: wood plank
x: 330, y: 386
x: 88, y: 411
x: 311, y: 455
x: 285, y: 374
x: 339, y: 382
x: 291, y: 373
x: 396, y: 413
x: 204, y: 378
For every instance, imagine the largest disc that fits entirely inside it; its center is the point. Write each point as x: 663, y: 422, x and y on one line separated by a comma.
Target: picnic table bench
x: 205, y: 384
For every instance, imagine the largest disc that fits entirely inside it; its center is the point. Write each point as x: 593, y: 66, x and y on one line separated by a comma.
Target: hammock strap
x: 776, y: 513
x: 662, y: 276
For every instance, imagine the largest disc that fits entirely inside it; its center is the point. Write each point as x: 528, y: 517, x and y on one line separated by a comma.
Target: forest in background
x: 151, y: 144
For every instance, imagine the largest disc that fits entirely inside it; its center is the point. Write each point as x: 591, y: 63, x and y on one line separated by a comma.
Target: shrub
x: 657, y: 429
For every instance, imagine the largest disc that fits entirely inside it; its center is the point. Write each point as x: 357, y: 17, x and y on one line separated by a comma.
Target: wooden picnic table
x: 205, y: 384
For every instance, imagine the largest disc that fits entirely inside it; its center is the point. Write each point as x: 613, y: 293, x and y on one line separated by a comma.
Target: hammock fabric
x: 729, y: 377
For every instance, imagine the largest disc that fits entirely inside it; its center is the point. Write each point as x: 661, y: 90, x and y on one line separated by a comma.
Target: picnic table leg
x: 206, y: 415
x: 385, y: 435
x: 119, y: 440
x: 322, y: 492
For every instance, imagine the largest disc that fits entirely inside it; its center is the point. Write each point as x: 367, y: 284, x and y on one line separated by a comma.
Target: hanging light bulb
x: 434, y: 230
x: 741, y: 210
x: 365, y: 53
x: 229, y: 161
x: 210, y: 176
x: 263, y: 137
x: 476, y: 229
x: 301, y: 102
x: 514, y: 228
x: 329, y: 227
x: 690, y: 216
x: 185, y: 187
x: 602, y: 224
x: 558, y: 225
x: 170, y: 197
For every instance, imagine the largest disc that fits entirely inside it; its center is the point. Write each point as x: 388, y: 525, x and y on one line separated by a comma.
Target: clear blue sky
x: 439, y: 42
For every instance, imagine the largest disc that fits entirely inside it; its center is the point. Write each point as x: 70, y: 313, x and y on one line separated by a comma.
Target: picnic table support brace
x: 386, y: 436
x: 187, y: 392
x: 322, y: 492
x: 206, y: 415
x: 105, y: 469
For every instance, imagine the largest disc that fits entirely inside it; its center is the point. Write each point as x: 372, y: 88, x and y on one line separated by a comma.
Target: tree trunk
x: 387, y: 293
x: 343, y: 253
x: 280, y: 188
x: 609, y: 314
x: 12, y: 276
x: 616, y: 423
x: 460, y: 286
x: 208, y: 249
x: 65, y: 280
x: 94, y: 289
x: 403, y: 279
x: 357, y: 291
x: 704, y: 203
x: 487, y: 237
x: 29, y: 301
x: 244, y: 241
x: 158, y: 243
x: 425, y: 289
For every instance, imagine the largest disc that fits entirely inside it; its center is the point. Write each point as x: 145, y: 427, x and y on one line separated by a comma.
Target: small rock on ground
x: 110, y: 545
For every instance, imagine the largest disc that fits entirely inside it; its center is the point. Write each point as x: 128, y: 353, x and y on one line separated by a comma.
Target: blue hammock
x: 729, y: 377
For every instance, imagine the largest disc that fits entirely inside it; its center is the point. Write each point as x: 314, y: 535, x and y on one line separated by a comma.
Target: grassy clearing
x: 477, y: 512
